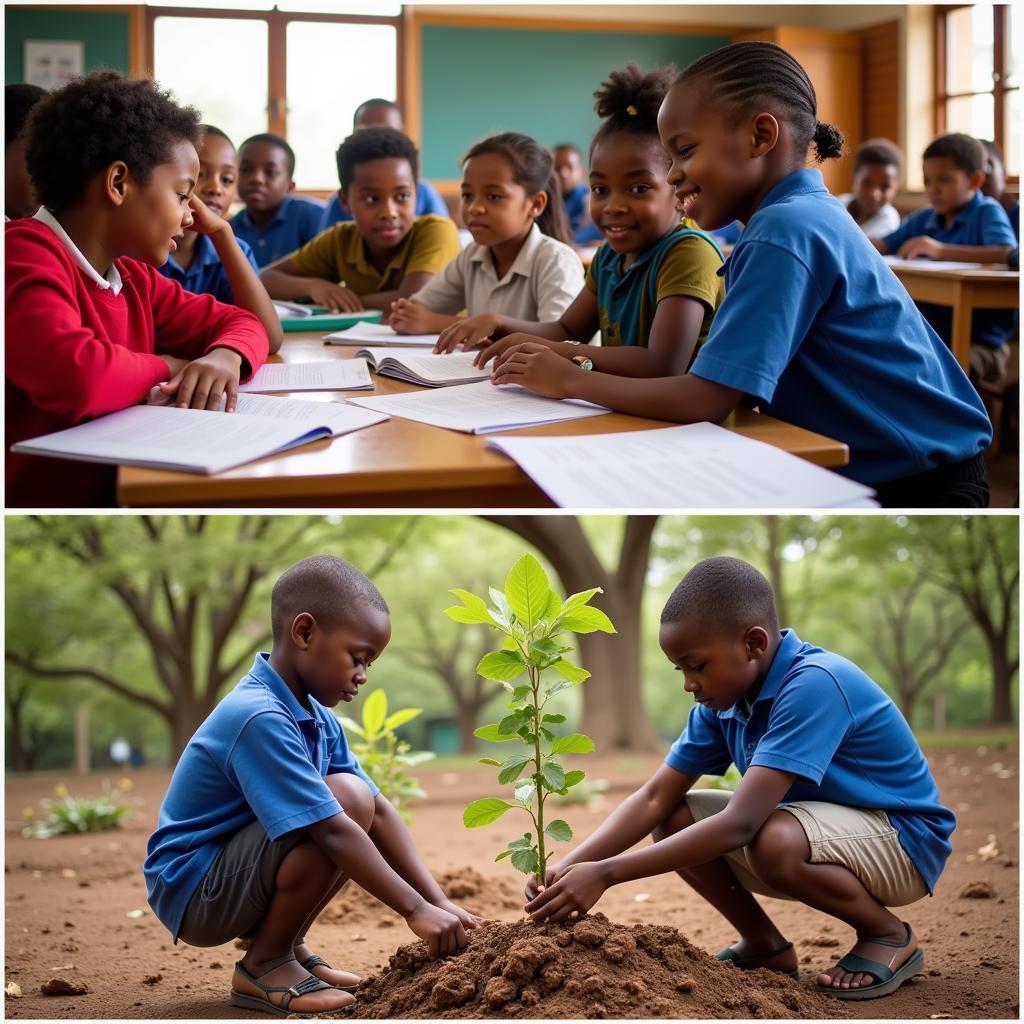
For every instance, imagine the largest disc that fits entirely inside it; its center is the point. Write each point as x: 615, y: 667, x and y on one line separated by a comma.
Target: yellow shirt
x: 340, y: 254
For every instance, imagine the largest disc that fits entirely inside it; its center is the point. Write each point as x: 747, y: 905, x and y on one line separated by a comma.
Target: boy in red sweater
x: 92, y: 326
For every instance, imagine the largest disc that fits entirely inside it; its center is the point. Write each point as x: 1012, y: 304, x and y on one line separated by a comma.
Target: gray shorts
x: 233, y: 898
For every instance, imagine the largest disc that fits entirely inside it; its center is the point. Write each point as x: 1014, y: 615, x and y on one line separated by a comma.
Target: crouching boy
x: 836, y: 807
x: 268, y: 813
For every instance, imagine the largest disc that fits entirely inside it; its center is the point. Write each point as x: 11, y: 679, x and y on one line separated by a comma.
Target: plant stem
x: 541, y: 856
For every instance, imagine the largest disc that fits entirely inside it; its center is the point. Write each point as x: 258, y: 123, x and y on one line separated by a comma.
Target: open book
x: 432, y: 371
x: 330, y: 375
x: 378, y: 335
x: 197, y: 441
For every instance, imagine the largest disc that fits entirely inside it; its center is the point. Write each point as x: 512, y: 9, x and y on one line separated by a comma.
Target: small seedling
x: 68, y: 814
x: 534, y: 621
x: 383, y: 755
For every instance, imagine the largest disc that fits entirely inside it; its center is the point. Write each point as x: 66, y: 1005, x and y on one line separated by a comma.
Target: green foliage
x: 68, y: 815
x: 729, y: 781
x: 533, y: 621
x: 383, y: 756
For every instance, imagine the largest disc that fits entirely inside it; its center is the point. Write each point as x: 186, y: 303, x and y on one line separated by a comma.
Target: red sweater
x: 76, y: 351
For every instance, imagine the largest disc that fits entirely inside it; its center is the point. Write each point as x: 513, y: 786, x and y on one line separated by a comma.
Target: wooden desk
x: 989, y: 286
x: 403, y: 464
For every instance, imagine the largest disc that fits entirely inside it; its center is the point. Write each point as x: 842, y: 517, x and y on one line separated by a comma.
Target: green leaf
x: 491, y: 761
x: 509, y: 644
x: 521, y: 693
x: 544, y: 650
x: 521, y: 844
x: 575, y: 600
x: 573, y: 673
x: 503, y: 855
x: 574, y: 743
x: 527, y: 590
x: 585, y: 619
x: 483, y: 812
x: 525, y: 861
x: 472, y: 610
x: 554, y: 608
x: 353, y: 726
x: 491, y: 734
x: 574, y: 777
x: 500, y: 666
x: 559, y: 830
x: 553, y: 775
x: 416, y: 757
x: 555, y: 719
x: 513, y: 768
x: 547, y: 734
x: 510, y: 725
x: 524, y: 790
x: 375, y: 710
x: 552, y: 690
x: 401, y: 717
x: 504, y: 609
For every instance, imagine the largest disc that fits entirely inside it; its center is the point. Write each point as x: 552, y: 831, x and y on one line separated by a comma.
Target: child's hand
x: 534, y: 887
x: 203, y: 382
x: 468, y: 920
x: 409, y: 317
x: 535, y: 367
x: 335, y: 297
x: 471, y: 332
x: 442, y: 932
x: 922, y: 245
x: 511, y: 340
x: 204, y: 220
x: 575, y: 892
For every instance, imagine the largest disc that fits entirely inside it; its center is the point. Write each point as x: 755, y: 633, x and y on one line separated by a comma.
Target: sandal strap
x: 896, y: 945
x: 861, y: 965
x: 746, y: 963
x: 315, y: 961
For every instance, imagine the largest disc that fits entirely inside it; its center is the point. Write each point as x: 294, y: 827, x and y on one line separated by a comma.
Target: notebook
x: 295, y: 316
x: 330, y: 375
x: 432, y: 371
x: 197, y: 441
x: 379, y: 335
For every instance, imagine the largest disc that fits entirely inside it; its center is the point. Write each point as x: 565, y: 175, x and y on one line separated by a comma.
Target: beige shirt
x: 540, y: 285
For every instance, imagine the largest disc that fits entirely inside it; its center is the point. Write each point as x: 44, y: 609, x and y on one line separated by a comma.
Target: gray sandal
x: 263, y: 1003
x: 752, y: 963
x: 318, y: 961
x: 887, y: 981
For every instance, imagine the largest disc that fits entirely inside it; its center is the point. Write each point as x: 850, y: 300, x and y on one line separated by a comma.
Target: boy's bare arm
x: 410, y: 285
x: 282, y: 281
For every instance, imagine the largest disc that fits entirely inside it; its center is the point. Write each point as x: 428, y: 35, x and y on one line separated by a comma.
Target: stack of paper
x: 432, y: 371
x: 925, y: 264
x: 480, y: 408
x: 332, y: 375
x: 694, y: 466
x: 379, y: 334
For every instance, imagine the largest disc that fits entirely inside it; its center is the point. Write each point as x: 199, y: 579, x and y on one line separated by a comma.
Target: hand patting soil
x: 589, y: 968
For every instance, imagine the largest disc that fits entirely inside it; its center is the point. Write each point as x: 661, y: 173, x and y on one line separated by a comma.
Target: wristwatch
x: 583, y: 362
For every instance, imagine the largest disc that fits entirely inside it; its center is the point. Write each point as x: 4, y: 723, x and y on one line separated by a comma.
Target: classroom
x: 495, y: 226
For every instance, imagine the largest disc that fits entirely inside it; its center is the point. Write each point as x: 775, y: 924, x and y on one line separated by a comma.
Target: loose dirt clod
x: 977, y: 891
x: 591, y: 968
x: 63, y: 987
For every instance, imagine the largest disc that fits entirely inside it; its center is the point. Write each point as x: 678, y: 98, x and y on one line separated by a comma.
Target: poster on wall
x: 51, y: 64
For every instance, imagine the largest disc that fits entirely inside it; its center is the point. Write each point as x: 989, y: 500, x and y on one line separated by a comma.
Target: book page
x: 379, y: 334
x: 340, y: 417
x: 699, y: 465
x: 480, y: 408
x: 334, y: 375
x: 922, y: 264
x: 425, y: 366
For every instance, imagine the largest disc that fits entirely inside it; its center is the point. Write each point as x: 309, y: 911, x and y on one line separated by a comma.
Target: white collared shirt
x: 112, y: 279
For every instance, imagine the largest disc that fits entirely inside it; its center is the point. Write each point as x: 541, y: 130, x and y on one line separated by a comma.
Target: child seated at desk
x: 386, y: 252
x: 654, y: 285
x: 274, y: 222
x: 960, y: 223
x: 575, y: 192
x: 19, y: 197
x: 877, y: 167
x: 814, y: 328
x: 208, y: 257
x: 382, y: 113
x: 994, y: 184
x: 92, y: 326
x: 518, y: 263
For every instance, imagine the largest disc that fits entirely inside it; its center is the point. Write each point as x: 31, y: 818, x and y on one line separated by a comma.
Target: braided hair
x: 629, y: 102
x: 742, y: 76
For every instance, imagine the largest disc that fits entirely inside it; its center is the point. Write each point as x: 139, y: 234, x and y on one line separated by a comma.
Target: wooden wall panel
x: 880, y: 52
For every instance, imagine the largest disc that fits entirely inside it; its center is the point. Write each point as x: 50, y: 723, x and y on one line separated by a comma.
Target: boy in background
x: 836, y: 808
x: 19, y: 196
x: 386, y: 252
x: 274, y: 222
x: 379, y: 113
x: 960, y: 223
x: 995, y: 184
x: 877, y: 169
x: 268, y: 813
x: 568, y: 164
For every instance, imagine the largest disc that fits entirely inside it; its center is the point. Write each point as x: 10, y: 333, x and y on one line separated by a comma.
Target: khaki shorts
x: 857, y: 838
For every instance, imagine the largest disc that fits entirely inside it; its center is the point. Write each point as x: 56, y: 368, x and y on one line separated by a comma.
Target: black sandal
x: 263, y: 1004
x: 318, y: 961
x: 753, y: 963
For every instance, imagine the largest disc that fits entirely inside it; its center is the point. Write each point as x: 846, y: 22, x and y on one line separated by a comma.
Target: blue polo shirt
x: 820, y: 717
x: 294, y: 223
x: 260, y: 755
x: 205, y: 274
x: 981, y: 221
x: 577, y: 207
x: 428, y: 200
x: 819, y: 331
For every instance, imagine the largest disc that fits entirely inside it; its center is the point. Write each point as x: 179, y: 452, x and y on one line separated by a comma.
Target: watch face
x: 587, y: 364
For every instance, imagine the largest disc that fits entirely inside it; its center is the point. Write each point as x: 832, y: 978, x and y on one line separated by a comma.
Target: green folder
x: 324, y: 321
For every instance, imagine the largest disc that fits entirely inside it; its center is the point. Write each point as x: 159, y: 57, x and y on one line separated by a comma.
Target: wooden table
x: 403, y: 464
x: 986, y: 286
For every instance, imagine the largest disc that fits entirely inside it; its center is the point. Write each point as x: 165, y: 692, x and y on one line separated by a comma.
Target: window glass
x: 378, y: 8
x: 969, y: 49
x: 1014, y: 43
x: 973, y: 115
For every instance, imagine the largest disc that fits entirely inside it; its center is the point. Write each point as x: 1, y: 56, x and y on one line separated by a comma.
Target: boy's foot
x: 748, y: 955
x: 895, y: 956
x: 253, y: 987
x: 323, y: 970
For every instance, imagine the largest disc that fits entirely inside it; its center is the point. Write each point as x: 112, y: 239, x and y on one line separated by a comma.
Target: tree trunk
x: 467, y: 717
x: 83, y: 758
x: 772, y: 526
x: 188, y: 715
x: 1002, y: 682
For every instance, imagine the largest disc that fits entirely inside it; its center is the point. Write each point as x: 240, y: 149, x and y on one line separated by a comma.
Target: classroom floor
x: 1004, y: 481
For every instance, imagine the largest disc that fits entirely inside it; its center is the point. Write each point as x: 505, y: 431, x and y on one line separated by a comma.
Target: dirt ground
x: 70, y: 901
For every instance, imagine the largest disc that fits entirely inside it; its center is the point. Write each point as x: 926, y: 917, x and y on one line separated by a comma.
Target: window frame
x: 999, y: 90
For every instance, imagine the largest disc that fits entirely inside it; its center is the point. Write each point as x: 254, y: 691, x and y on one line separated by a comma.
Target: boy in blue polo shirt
x: 269, y: 813
x: 836, y: 808
x: 960, y: 223
x: 274, y: 222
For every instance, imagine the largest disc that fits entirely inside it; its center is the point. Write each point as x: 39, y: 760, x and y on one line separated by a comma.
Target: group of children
x: 803, y: 320
x: 269, y: 813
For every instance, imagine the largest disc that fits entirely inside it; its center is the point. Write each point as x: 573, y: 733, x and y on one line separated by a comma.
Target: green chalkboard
x: 105, y: 34
x: 477, y: 81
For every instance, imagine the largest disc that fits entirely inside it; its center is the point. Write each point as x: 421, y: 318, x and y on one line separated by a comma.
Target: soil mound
x: 573, y: 970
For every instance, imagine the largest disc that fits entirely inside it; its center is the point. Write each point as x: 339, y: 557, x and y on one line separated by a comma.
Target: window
x: 295, y: 67
x: 978, y: 72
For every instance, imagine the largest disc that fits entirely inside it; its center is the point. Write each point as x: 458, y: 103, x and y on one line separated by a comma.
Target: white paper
x: 924, y: 264
x: 333, y: 375
x: 480, y: 408
x: 339, y: 417
x: 698, y: 465
x: 291, y: 310
x: 379, y: 334
x: 425, y: 367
